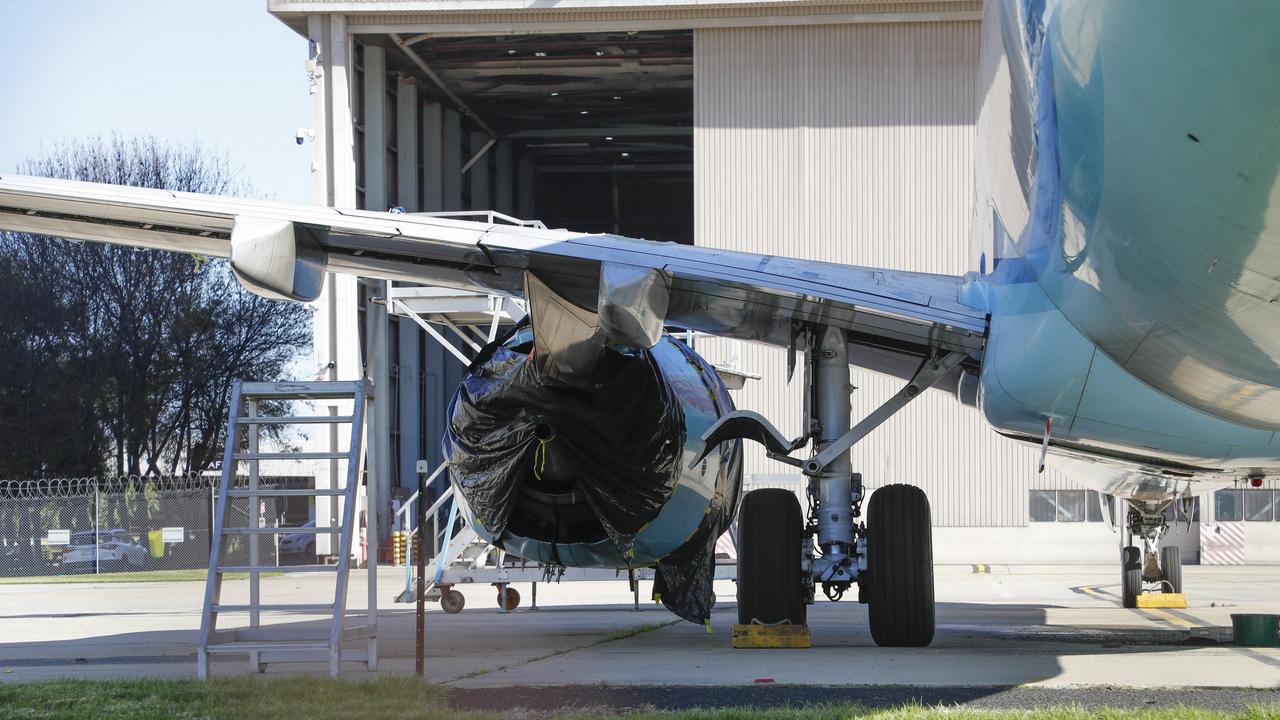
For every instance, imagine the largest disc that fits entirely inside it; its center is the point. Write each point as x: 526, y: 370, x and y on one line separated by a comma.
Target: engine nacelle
x: 596, y: 474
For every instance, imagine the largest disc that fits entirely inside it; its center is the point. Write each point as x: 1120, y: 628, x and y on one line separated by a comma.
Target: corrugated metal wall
x: 853, y: 143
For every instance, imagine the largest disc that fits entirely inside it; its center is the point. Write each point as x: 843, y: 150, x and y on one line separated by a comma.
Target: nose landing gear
x: 1149, y: 564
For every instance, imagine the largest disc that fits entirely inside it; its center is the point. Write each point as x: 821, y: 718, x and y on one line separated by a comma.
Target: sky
x: 223, y: 73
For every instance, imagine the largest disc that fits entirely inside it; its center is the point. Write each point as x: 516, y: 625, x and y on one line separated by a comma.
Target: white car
x: 295, y: 543
x: 115, y: 548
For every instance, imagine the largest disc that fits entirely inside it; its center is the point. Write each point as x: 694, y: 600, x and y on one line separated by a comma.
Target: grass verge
x: 402, y: 698
x: 198, y: 574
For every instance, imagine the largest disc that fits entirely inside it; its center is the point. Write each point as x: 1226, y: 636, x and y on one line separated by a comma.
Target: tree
x: 124, y: 358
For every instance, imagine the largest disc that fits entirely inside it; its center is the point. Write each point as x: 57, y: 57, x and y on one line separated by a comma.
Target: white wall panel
x: 853, y: 143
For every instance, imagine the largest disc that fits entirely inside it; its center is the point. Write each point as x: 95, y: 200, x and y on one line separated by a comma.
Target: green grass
x: 198, y: 574
x: 403, y: 698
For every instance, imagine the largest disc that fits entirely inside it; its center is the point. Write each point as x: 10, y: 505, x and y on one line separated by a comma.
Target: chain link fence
x: 124, y: 524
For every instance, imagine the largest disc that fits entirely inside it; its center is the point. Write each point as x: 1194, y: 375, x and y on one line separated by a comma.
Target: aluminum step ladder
x: 276, y: 643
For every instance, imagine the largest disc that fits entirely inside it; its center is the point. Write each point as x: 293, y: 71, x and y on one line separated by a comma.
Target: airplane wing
x: 893, y: 318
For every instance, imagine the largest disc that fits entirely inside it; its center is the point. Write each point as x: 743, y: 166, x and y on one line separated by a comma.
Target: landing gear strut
x: 1149, y: 564
x: 783, y: 561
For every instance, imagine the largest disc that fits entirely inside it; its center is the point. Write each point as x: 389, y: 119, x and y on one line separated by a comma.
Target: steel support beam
x: 407, y: 143
x: 451, y: 161
x: 432, y: 157
x: 375, y: 128
x: 444, y: 88
x: 477, y: 169
x: 525, y: 185
x: 504, y: 182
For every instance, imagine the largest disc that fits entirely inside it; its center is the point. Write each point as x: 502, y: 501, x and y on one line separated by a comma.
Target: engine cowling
x: 596, y: 474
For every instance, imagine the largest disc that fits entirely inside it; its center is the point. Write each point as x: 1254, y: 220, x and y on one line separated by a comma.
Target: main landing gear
x: 1149, y: 564
x: 785, y: 556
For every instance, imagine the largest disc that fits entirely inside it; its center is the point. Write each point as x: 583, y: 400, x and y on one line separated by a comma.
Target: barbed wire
x: 60, y: 488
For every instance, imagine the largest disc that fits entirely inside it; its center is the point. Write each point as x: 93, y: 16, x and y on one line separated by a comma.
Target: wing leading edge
x: 893, y: 317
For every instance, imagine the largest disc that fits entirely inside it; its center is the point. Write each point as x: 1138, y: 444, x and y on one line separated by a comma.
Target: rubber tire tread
x: 1171, y: 566
x: 1130, y: 576
x: 769, y: 581
x: 900, y: 598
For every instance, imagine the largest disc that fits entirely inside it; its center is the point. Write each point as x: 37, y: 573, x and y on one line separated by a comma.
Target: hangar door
x: 854, y: 143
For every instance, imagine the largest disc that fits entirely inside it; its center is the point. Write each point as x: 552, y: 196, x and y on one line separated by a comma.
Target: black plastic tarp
x: 618, y: 441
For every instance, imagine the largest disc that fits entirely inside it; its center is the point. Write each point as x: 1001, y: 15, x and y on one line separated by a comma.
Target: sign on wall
x: 1222, y: 543
x: 173, y: 535
x: 58, y: 537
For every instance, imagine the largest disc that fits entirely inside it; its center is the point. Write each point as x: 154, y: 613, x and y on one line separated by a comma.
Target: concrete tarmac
x: 998, y: 627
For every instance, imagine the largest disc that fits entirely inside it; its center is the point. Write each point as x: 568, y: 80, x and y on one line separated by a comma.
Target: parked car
x: 115, y: 549
x: 295, y: 543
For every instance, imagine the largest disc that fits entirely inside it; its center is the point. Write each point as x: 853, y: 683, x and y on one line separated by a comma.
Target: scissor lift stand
x: 275, y: 643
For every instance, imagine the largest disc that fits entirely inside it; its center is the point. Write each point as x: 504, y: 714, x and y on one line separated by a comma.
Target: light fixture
x: 617, y: 97
x: 609, y: 137
x: 626, y: 154
x: 554, y: 94
x: 539, y: 53
x: 599, y: 53
x: 582, y: 112
x: 511, y: 52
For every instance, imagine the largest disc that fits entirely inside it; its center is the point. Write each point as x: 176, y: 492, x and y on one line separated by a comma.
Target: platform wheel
x: 1130, y: 576
x: 512, y: 598
x: 770, y: 584
x: 899, y: 579
x: 452, y: 601
x: 1171, y: 568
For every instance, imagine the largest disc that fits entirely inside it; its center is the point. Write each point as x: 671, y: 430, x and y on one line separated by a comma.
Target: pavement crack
x: 622, y: 634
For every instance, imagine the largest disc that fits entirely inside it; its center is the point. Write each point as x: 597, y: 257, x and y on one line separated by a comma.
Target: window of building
x: 1071, y: 506
x: 1094, y: 506
x: 1228, y: 506
x: 1065, y: 506
x: 1043, y: 506
x: 1260, y: 505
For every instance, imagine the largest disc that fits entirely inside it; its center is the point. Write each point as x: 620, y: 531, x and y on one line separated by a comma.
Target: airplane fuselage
x: 1125, y: 236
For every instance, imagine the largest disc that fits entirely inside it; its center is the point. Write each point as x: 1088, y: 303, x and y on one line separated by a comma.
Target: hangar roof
x: 558, y: 16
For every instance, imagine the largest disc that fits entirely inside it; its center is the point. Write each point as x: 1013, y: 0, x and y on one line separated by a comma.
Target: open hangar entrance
x: 588, y: 131
x: 591, y: 131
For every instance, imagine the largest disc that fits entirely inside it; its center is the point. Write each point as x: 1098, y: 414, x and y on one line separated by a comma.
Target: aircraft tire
x: 770, y: 588
x: 1130, y: 576
x: 900, y: 602
x: 1171, y: 567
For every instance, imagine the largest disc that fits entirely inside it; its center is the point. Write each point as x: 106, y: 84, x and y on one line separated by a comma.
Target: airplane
x: 1121, y: 316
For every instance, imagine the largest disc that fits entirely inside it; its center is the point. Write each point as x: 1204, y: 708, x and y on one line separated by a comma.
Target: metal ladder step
x: 288, y: 632
x: 295, y: 420
x: 243, y: 646
x: 277, y: 568
x: 320, y: 389
x: 286, y: 492
x: 276, y: 607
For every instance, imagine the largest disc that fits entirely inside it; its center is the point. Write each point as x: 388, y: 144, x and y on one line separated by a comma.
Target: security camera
x: 303, y: 135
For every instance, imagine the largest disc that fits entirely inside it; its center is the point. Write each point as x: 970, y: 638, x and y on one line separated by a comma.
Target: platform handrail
x: 491, y: 216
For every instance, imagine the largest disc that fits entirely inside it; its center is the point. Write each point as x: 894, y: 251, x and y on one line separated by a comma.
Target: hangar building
x: 838, y: 130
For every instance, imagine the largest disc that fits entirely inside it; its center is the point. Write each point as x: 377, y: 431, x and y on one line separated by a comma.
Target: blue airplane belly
x: 1128, y: 154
